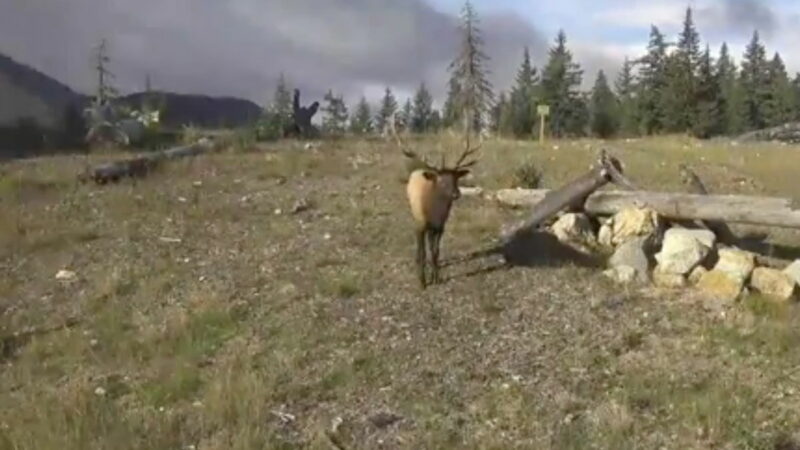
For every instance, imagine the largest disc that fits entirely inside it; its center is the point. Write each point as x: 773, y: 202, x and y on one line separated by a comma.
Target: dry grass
x: 212, y: 317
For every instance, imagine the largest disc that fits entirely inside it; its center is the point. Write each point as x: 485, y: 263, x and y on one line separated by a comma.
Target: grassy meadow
x: 265, y: 297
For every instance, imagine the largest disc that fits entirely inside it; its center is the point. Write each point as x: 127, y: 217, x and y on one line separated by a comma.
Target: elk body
x: 431, y: 191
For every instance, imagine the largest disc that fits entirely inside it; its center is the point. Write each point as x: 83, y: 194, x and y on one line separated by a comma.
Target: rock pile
x: 645, y: 250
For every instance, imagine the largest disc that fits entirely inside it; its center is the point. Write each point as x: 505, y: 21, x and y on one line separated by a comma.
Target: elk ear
x: 462, y: 172
x: 429, y: 175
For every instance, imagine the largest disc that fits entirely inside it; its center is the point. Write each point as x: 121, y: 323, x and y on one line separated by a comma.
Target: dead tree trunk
x: 763, y: 211
x: 572, y: 195
x: 301, y: 118
x: 696, y: 186
x: 140, y: 166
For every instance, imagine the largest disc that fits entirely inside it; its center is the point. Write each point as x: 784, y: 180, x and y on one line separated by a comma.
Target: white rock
x: 574, y: 227
x: 738, y: 264
x: 793, y: 271
x: 605, y: 236
x: 630, y: 223
x: 683, y: 249
x: 66, y: 275
x: 773, y: 283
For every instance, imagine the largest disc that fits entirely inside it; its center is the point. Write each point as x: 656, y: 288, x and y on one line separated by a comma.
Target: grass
x: 212, y: 315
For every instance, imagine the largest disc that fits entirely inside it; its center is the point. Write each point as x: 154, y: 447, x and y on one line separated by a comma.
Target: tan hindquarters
x: 420, y: 191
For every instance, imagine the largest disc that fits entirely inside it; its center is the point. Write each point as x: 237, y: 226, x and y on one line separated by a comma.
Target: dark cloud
x: 239, y: 47
x: 742, y: 15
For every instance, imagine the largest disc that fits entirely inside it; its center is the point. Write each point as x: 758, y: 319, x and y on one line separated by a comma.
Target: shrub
x: 528, y: 176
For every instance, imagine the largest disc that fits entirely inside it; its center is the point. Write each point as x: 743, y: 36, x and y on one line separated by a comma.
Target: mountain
x: 197, y: 110
x: 28, y: 93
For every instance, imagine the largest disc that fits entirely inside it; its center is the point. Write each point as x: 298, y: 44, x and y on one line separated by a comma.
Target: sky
x: 356, y: 47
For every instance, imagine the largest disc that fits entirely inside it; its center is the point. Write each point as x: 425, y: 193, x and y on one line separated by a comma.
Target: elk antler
x: 468, y: 151
x: 403, y: 147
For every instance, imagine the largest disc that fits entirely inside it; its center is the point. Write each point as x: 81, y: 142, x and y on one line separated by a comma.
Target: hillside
x: 267, y: 299
x: 46, y: 88
x: 199, y: 110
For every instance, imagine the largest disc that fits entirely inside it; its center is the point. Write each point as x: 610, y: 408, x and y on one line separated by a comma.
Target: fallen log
x: 573, y: 195
x: 696, y: 186
x: 789, y: 133
x: 141, y: 165
x: 751, y: 210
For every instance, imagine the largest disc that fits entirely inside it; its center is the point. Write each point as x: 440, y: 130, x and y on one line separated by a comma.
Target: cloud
x: 240, y: 47
x: 740, y: 17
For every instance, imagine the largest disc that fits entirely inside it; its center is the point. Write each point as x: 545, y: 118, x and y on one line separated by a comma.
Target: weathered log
x: 744, y: 209
x: 696, y: 186
x: 573, y: 194
x: 789, y: 133
x: 141, y: 165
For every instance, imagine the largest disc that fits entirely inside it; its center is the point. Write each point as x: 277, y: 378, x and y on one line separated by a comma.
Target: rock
x: 632, y: 254
x: 773, y: 283
x: 384, y: 419
x: 697, y: 274
x: 574, y: 227
x: 300, y: 206
x: 720, y: 285
x: 630, y: 223
x: 621, y: 274
x: 605, y: 236
x: 793, y: 270
x: 683, y: 249
x: 66, y: 275
x: 737, y: 264
x: 668, y: 280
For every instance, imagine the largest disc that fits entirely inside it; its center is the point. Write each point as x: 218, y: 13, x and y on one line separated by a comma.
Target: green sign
x: 543, y: 110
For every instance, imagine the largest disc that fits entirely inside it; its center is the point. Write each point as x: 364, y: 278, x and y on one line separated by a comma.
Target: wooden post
x: 543, y: 111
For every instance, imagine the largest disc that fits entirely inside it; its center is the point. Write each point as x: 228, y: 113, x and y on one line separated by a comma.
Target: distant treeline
x: 674, y: 88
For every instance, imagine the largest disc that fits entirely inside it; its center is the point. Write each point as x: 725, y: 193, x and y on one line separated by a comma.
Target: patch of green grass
x: 179, y: 382
x: 340, y: 284
x: 205, y: 332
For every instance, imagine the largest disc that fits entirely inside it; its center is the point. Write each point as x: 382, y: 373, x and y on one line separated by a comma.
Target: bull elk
x: 431, y: 191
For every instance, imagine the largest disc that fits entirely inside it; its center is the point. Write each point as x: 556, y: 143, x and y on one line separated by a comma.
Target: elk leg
x: 421, y: 257
x: 434, y: 238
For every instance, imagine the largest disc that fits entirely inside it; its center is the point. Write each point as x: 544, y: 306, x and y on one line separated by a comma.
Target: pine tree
x: 497, y: 112
x: 105, y: 90
x: 603, y: 108
x: 435, y: 123
x: 387, y: 109
x: 361, y: 120
x: 625, y: 86
x: 730, y: 94
x: 709, y: 120
x: 561, y: 79
x: 470, y: 74
x: 682, y: 68
x: 423, y: 109
x: 280, y: 110
x: 796, y: 97
x: 755, y: 84
x: 451, y: 113
x: 406, y: 115
x: 523, y: 97
x: 779, y: 104
x: 652, y: 84
x: 335, y: 116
